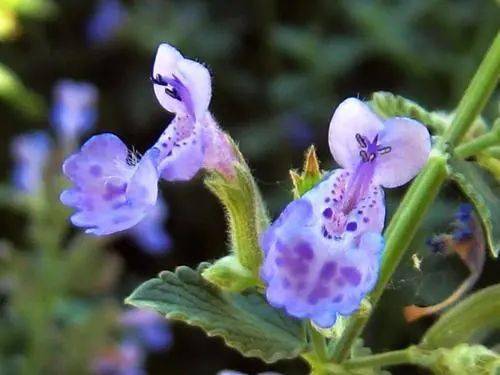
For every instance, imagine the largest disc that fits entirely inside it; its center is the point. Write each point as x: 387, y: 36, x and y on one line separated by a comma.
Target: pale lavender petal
x: 182, y: 86
x: 181, y: 150
x: 30, y: 153
x: 196, y: 78
x: 410, y: 145
x: 351, y: 117
x: 111, y: 193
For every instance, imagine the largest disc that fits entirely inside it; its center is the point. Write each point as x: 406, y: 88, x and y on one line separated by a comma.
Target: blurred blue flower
x: 126, y: 358
x: 109, y: 16
x: 297, y: 131
x: 322, y: 255
x: 74, y: 111
x: 113, y: 191
x: 150, y: 233
x: 31, y: 152
x: 147, y: 328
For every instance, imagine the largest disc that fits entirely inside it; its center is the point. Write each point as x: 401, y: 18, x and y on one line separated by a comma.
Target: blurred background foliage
x: 279, y: 68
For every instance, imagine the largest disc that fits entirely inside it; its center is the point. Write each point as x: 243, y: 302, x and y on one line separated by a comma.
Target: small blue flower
x: 147, y: 328
x: 193, y: 140
x: 109, y: 16
x: 74, y: 111
x: 314, y: 276
x: 150, y: 233
x: 113, y: 191
x: 322, y: 254
x: 31, y: 153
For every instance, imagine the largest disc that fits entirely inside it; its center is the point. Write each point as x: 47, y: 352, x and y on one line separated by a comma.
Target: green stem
x: 478, y: 144
x: 476, y: 95
x: 410, y: 355
x: 318, y: 343
x: 424, y: 189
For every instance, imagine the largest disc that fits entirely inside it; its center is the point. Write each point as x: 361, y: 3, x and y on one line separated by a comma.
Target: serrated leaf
x: 484, y: 193
x: 460, y: 324
x: 245, y: 321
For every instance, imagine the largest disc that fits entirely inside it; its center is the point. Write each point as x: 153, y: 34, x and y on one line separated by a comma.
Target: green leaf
x: 460, y: 324
x: 13, y: 92
x: 245, y: 321
x: 484, y: 193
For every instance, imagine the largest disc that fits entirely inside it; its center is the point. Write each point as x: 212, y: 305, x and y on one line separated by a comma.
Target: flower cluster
x: 114, y: 189
x: 322, y: 255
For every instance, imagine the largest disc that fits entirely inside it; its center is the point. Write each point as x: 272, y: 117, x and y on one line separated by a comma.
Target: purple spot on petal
x: 304, y: 250
x: 328, y: 213
x: 366, y: 220
x: 351, y: 275
x: 317, y: 293
x: 337, y: 298
x: 352, y: 226
x: 95, y: 170
x: 328, y: 271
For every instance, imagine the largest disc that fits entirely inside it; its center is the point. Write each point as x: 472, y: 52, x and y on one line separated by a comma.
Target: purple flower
x: 193, y: 140
x: 74, y: 111
x: 106, y: 21
x: 322, y: 254
x: 388, y: 152
x: 150, y: 233
x: 148, y: 328
x: 113, y: 191
x: 124, y: 359
x: 30, y: 152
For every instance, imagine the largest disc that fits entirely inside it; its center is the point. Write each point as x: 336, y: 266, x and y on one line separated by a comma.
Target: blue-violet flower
x: 148, y: 328
x: 31, y: 152
x: 109, y: 16
x: 74, y: 111
x: 193, y: 140
x: 113, y: 190
x: 322, y: 254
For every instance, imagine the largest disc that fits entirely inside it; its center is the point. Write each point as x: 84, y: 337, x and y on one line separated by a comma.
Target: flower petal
x: 191, y: 80
x: 197, y: 80
x: 110, y: 194
x: 181, y: 150
x: 410, y: 147
x: 351, y: 117
x: 165, y: 65
x: 316, y: 274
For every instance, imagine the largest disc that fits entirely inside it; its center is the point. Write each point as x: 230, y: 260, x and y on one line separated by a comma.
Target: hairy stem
x: 477, y: 94
x: 412, y: 355
x: 478, y: 144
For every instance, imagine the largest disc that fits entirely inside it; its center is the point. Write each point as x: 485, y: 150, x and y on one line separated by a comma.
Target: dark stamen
x: 384, y: 150
x: 364, y: 155
x: 361, y: 140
